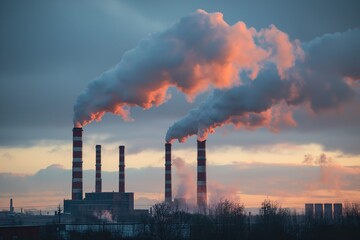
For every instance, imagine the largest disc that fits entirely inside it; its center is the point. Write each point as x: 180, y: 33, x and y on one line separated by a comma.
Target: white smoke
x: 324, y: 78
x: 104, y: 216
x: 199, y: 52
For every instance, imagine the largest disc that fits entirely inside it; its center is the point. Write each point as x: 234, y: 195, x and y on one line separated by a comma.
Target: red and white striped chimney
x: 201, y: 175
x: 98, y: 181
x: 168, y: 191
x: 122, y: 169
x: 77, y: 184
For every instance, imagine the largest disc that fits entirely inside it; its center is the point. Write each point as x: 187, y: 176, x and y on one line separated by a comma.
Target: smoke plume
x: 198, y: 53
x: 186, y: 180
x: 324, y: 77
x: 333, y: 176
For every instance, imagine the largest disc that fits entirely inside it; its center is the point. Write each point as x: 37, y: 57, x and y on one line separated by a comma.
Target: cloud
x: 53, y: 183
x: 332, y: 174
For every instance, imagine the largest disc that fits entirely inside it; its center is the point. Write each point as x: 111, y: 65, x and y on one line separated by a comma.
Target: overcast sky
x: 51, y: 50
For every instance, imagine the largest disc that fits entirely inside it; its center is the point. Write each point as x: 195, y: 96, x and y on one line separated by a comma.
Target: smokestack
x: 168, y: 191
x: 98, y: 169
x: 201, y: 175
x: 122, y: 169
x: 77, y: 185
x: 11, y: 205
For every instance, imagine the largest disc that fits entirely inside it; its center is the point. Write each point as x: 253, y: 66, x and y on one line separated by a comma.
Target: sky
x: 61, y: 60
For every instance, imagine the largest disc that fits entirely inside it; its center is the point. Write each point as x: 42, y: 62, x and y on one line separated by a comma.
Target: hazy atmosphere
x: 273, y: 86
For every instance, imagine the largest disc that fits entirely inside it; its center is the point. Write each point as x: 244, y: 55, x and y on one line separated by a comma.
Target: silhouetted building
x: 337, y: 211
x: 318, y: 210
x: 328, y: 211
x: 115, y: 205
x: 119, y: 205
x: 309, y: 211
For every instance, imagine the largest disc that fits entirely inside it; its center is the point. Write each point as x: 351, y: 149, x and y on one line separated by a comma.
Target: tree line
x: 228, y: 220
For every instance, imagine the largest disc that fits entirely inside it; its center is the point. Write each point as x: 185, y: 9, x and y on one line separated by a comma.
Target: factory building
x: 319, y: 211
x: 326, y: 211
x: 309, y: 211
x: 119, y: 204
x: 337, y: 211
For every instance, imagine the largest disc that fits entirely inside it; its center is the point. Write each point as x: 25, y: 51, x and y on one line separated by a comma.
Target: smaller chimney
x: 121, y: 169
x: 11, y: 205
x: 168, y: 191
x: 98, y: 181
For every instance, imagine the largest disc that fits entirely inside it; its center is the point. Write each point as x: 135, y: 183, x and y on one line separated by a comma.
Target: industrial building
x: 326, y: 211
x: 120, y: 205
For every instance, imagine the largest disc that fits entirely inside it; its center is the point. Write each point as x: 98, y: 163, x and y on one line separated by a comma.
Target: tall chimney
x: 77, y: 185
x: 11, y: 205
x: 168, y: 190
x: 122, y: 169
x: 98, y: 169
x: 201, y: 175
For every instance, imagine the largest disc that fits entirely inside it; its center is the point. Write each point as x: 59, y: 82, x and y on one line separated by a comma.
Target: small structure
x: 309, y: 211
x: 319, y: 210
x: 328, y: 211
x: 107, y: 206
x: 337, y: 211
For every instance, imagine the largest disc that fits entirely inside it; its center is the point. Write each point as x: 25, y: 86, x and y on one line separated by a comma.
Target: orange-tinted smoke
x: 322, y: 75
x: 199, y: 52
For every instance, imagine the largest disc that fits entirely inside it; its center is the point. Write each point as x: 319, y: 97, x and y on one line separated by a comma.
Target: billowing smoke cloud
x: 199, y: 52
x: 326, y: 77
